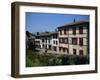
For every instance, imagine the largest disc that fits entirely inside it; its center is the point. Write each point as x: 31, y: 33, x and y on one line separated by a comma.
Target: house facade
x: 55, y: 41
x: 30, y: 40
x: 70, y: 39
x: 74, y: 38
x: 45, y: 40
x: 48, y: 40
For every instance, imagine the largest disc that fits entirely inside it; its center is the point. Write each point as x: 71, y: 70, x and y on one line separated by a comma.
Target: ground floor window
x: 67, y: 50
x: 60, y: 49
x: 64, y: 49
x: 43, y: 45
x: 80, y: 52
x: 74, y: 51
x: 55, y: 48
x: 50, y: 47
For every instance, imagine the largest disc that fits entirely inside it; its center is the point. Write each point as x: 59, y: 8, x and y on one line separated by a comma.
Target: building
x: 37, y: 40
x: 55, y: 41
x: 47, y: 40
x: 70, y: 39
x: 30, y: 40
x: 74, y: 38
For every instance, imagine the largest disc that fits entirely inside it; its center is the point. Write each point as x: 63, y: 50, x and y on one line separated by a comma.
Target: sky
x: 41, y: 22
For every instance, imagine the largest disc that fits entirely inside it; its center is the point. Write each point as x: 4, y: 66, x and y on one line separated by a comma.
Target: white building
x: 55, y: 41
x: 45, y: 40
x: 48, y: 40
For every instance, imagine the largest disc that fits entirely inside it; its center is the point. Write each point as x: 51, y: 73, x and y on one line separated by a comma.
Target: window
x: 60, y: 32
x: 55, y: 36
x: 53, y: 42
x: 80, y: 52
x: 46, y: 40
x: 66, y: 41
x: 59, y: 48
x: 60, y: 40
x: 49, y: 41
x: 43, y: 45
x: 56, y: 42
x: 55, y: 48
x: 65, y: 32
x: 74, y: 41
x: 74, y: 51
x: 42, y: 40
x: 67, y: 50
x: 63, y: 40
x: 74, y: 30
x: 80, y: 41
x: 80, y: 30
x: 50, y: 47
x: 64, y: 49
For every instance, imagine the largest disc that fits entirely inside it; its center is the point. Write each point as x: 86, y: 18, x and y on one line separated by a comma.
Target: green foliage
x: 49, y: 59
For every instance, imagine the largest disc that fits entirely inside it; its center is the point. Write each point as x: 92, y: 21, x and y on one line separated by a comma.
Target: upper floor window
x: 74, y: 41
x: 65, y: 32
x: 74, y: 30
x: 55, y: 36
x: 60, y: 40
x: 80, y: 30
x: 46, y: 40
x: 66, y: 40
x: 81, y: 41
x: 63, y: 40
x: 60, y: 32
x: 42, y: 40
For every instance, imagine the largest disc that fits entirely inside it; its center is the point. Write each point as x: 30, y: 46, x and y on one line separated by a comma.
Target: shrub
x: 50, y: 59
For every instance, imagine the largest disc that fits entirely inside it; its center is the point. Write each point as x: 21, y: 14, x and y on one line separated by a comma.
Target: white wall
x: 5, y: 43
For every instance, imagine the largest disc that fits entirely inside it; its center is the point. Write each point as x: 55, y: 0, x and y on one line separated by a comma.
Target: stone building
x: 74, y: 38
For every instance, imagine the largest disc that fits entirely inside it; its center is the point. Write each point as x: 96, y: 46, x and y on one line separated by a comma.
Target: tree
x: 27, y: 33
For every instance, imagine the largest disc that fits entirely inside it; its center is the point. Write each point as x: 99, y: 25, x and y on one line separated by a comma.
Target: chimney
x: 74, y: 20
x: 37, y: 33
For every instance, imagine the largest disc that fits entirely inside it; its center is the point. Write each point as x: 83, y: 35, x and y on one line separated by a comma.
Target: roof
x: 31, y: 34
x: 47, y: 33
x: 74, y: 24
x: 53, y: 33
x: 43, y: 34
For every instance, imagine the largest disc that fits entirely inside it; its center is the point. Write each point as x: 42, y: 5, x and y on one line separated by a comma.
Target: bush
x: 35, y: 59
